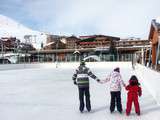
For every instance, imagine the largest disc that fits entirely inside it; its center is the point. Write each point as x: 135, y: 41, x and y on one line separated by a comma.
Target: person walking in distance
x: 81, y: 79
x: 116, y: 81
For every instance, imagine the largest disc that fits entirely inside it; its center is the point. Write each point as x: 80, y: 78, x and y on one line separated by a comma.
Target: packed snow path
x: 49, y: 94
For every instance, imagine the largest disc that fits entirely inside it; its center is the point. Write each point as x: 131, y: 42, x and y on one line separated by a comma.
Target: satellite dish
x: 95, y: 57
x: 76, y: 52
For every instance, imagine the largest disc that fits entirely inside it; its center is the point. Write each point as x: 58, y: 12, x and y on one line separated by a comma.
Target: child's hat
x: 117, y: 69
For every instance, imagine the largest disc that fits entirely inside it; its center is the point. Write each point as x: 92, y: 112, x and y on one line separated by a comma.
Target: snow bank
x: 92, y: 64
x: 65, y: 65
x: 151, y: 79
x: 22, y: 66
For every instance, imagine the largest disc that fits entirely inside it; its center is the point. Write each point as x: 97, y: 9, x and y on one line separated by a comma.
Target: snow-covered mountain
x: 11, y: 28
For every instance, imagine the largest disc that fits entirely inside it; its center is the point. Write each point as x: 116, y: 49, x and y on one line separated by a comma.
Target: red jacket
x: 134, y: 90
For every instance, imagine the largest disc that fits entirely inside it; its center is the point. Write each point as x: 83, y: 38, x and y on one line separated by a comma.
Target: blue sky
x: 120, y: 18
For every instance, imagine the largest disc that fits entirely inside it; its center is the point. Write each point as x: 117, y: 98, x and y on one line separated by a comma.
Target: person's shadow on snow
x: 100, y: 109
x: 150, y: 109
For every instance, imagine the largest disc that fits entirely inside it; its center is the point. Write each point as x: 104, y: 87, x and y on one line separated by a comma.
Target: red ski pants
x: 132, y: 97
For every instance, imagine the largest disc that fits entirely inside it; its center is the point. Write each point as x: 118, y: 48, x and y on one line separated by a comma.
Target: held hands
x: 75, y: 82
x: 99, y: 81
x: 124, y: 85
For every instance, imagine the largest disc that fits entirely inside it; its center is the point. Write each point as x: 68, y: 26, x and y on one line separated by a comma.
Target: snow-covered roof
x: 158, y: 20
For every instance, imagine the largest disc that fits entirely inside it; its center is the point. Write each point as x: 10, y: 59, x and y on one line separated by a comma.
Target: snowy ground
x: 48, y: 93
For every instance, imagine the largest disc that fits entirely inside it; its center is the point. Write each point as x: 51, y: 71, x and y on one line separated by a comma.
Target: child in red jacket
x: 134, y: 90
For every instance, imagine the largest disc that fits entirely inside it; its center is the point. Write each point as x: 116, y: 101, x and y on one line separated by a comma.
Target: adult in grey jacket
x: 81, y: 79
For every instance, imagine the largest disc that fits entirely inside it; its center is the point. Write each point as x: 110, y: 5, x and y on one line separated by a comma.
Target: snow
x: 158, y: 19
x: 151, y: 80
x: 11, y: 28
x: 48, y: 93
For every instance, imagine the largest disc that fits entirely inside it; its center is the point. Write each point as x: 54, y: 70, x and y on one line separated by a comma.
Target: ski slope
x: 12, y: 28
x: 48, y: 93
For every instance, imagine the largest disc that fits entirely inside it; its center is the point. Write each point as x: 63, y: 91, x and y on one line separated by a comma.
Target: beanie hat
x: 134, y: 80
x: 117, y: 69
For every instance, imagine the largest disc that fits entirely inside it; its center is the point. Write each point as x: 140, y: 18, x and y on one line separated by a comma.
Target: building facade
x: 108, y: 48
x: 95, y: 41
x: 154, y: 37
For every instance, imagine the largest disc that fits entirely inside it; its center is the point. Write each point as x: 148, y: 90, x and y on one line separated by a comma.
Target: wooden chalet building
x: 154, y: 37
x: 12, y: 44
x: 54, y: 42
x: 101, y: 45
x: 8, y: 43
x: 71, y: 42
x: 58, y: 48
x: 73, y: 48
x: 62, y: 48
x: 95, y: 41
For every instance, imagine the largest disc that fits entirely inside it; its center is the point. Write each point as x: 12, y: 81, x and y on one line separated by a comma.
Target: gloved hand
x: 75, y: 82
x: 98, y: 80
x: 139, y: 93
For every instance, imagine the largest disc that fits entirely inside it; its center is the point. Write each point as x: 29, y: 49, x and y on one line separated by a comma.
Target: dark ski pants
x: 116, y: 100
x: 84, y: 92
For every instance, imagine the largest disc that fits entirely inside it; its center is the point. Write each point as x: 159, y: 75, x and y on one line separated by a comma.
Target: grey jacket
x: 81, y: 76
